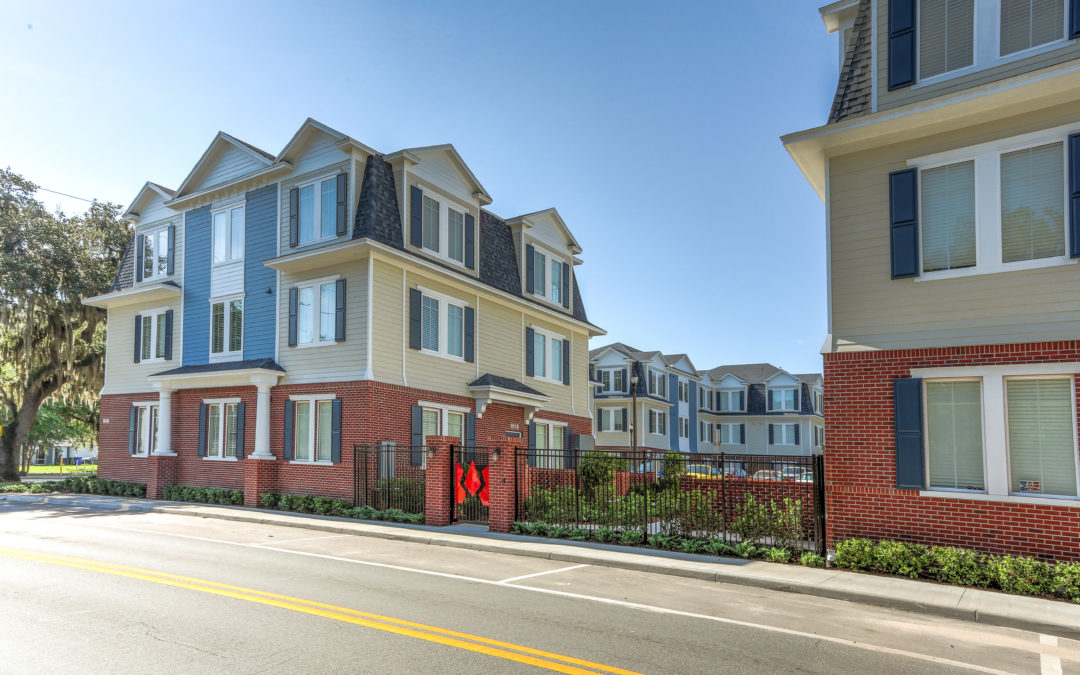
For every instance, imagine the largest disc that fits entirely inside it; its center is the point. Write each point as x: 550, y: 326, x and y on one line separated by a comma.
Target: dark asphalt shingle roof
x: 377, y: 213
x: 854, y: 87
x: 498, y: 256
x: 489, y: 380
x: 125, y: 274
x: 223, y: 366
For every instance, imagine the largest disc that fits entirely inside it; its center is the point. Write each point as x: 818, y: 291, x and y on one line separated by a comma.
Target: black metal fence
x: 469, y: 478
x: 389, y: 476
x: 769, y: 500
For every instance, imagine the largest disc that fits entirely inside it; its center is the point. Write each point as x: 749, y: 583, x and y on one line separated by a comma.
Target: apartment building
x: 749, y: 408
x: 950, y: 171
x: 276, y: 309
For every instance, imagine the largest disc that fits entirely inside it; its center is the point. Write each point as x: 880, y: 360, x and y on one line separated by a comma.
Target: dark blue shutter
x: 568, y: 449
x: 342, y: 203
x: 673, y: 410
x: 625, y: 381
x: 529, y: 355
x: 470, y: 430
x: 470, y: 241
x: 417, y: 454
x: 907, y: 402
x: 771, y: 434
x: 532, y: 444
x: 138, y: 338
x: 1074, y: 178
x: 287, y: 433
x: 172, y: 247
x: 768, y: 399
x: 415, y: 299
x: 139, y: 257
x: 470, y: 334
x: 742, y: 434
x: 566, y: 285
x: 294, y: 217
x: 529, y: 255
x: 240, y: 421
x: 416, y: 216
x: 797, y: 434
x: 1074, y: 19
x: 742, y: 400
x: 901, y: 43
x: 625, y: 421
x: 335, y: 431
x: 202, y: 430
x: 133, y: 417
x: 566, y: 362
x: 168, y: 334
x: 293, y: 302
x: 904, y: 223
x: 339, y: 310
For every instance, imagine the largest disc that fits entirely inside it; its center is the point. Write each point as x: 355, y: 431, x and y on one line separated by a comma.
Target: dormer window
x: 443, y: 229
x: 612, y: 380
x: 318, y: 210
x: 547, y: 276
x: 557, y: 281
x: 539, y: 271
x: 657, y: 384
x: 783, y: 398
x: 154, y: 249
x: 731, y: 400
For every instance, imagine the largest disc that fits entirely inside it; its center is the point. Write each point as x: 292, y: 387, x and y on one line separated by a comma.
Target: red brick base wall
x: 860, y: 462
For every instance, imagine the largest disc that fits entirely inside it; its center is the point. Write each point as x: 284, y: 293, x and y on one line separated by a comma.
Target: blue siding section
x: 673, y: 411
x: 197, y: 286
x: 260, y: 242
x: 693, y: 415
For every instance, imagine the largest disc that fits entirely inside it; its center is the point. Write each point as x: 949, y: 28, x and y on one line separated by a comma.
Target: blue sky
x: 652, y: 126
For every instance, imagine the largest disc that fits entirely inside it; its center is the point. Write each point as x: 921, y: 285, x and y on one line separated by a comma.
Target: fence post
x: 643, y: 465
x: 438, y: 482
x: 819, y: 504
x: 723, y: 497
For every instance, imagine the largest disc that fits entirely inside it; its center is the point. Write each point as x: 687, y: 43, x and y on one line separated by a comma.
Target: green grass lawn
x: 47, y: 469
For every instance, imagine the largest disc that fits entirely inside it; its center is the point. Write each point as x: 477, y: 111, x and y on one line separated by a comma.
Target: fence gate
x: 469, y: 484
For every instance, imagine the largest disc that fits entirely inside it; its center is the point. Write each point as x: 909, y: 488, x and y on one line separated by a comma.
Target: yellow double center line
x: 474, y: 643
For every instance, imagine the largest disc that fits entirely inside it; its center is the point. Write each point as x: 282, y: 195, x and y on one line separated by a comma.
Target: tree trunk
x: 13, y: 440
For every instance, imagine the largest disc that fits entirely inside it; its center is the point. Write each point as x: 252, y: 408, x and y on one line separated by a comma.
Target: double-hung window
x: 658, y: 422
x: 684, y: 427
x: 705, y: 432
x: 313, y: 421
x: 730, y: 434
x: 317, y: 218
x: 227, y: 327
x: 438, y: 420
x: 455, y: 233
x: 155, y: 254
x: 819, y: 435
x: 547, y: 354
x: 1041, y: 436
x: 612, y: 380
x: 539, y: 272
x: 732, y: 400
x: 146, y: 429
x: 548, y: 275
x: 684, y: 391
x: 442, y: 325
x: 316, y: 312
x: 819, y: 402
x: 784, y: 434
x: 443, y: 228
x: 1026, y: 24
x: 946, y: 36
x: 1019, y: 219
x: 557, y: 289
x: 954, y: 434
x: 657, y: 383
x: 550, y: 439
x: 786, y: 398
x: 704, y: 398
x: 152, y: 335
x: 228, y: 234
x: 222, y: 430
x: 612, y: 419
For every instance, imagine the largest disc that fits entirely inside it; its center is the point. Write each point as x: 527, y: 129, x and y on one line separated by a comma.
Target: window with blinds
x: 954, y: 435
x: 1030, y: 23
x: 1033, y: 203
x: 946, y: 36
x: 948, y: 217
x: 1042, y: 450
x: 429, y: 326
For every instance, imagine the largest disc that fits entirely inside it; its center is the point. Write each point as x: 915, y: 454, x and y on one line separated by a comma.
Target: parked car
x: 735, y: 471
x: 765, y: 474
x: 703, y: 471
x: 806, y: 477
x: 791, y: 472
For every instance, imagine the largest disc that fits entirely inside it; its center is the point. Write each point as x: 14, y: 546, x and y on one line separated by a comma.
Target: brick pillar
x: 502, y: 489
x: 438, y: 481
x: 162, y: 471
x: 260, y: 475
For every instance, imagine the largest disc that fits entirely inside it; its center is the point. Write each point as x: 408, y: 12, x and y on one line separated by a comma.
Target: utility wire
x: 67, y: 195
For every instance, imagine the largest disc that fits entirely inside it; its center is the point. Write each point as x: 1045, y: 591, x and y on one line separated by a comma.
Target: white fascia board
x: 131, y: 296
x: 267, y: 172
x: 228, y: 378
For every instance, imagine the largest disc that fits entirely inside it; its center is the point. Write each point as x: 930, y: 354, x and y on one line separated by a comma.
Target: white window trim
x: 149, y: 442
x: 733, y: 427
x: 987, y: 159
x: 549, y: 257
x: 659, y: 415
x: 612, y: 389
x: 153, y: 314
x: 684, y: 389
x: 228, y: 209
x: 317, y: 216
x: 549, y: 336
x: 313, y: 400
x: 600, y: 413
x: 446, y: 202
x: 684, y: 422
x: 986, y: 44
x: 444, y: 410
x: 705, y: 432
x: 558, y: 460
x: 444, y: 325
x: 782, y: 426
x: 316, y: 309
x: 729, y: 391
x: 995, y: 433
x: 154, y: 232
x: 226, y: 355
x: 221, y: 428
x: 661, y: 377
x: 768, y: 395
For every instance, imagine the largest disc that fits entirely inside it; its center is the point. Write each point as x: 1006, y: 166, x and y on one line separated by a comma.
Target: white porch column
x: 262, y: 418
x: 164, y: 439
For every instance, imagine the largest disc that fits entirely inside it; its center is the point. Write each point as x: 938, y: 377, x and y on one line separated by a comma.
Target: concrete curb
x: 953, y: 602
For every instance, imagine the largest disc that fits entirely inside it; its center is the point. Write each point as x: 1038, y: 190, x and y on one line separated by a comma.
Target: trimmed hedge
x: 79, y: 485
x: 203, y: 495
x: 964, y: 567
x: 326, y: 506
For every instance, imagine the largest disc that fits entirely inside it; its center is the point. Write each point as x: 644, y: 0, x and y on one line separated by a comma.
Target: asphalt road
x: 100, y: 592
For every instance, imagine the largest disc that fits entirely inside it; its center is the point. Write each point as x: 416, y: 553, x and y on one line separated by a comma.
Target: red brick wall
x: 860, y: 465
x: 113, y: 461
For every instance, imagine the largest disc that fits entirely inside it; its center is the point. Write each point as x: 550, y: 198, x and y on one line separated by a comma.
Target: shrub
x: 664, y: 541
x: 959, y: 566
x: 268, y: 500
x: 537, y: 529
x: 1025, y: 576
x: 751, y: 520
x: 580, y: 534
x: 558, y: 532
x: 900, y: 558
x: 631, y: 537
x: 719, y: 547
x: 672, y: 467
x: 809, y: 559
x: 777, y: 555
x: 1066, y: 581
x: 598, y: 468
x: 855, y: 554
x: 784, y: 523
x: 694, y: 546
x: 605, y: 535
x: 747, y: 549
x: 517, y: 527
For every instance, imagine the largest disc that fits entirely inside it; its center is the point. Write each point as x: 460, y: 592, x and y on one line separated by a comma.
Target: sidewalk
x: 982, y: 606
